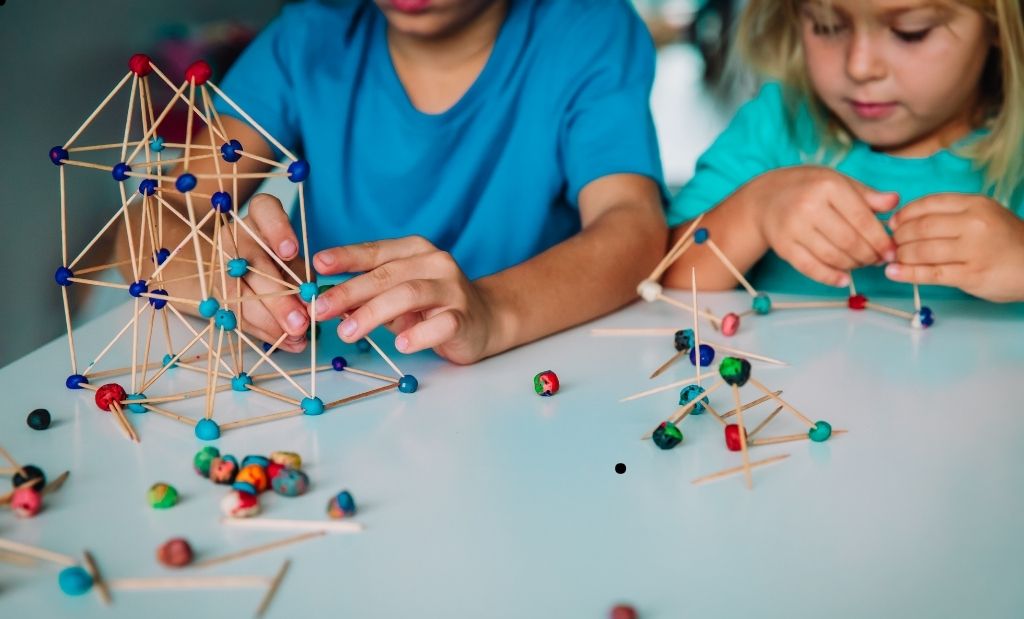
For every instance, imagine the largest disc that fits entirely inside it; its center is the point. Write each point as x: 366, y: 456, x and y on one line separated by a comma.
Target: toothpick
x: 326, y: 526
x: 787, y: 405
x: 767, y: 420
x: 809, y: 305
x: 274, y: 585
x: 686, y: 308
x: 644, y: 394
x: 751, y: 404
x: 14, y: 463
x: 247, y: 552
x: 889, y: 310
x: 39, y: 553
x: 97, y: 578
x: 252, y: 122
x: 744, y: 353
x: 99, y: 108
x: 123, y: 421
x: 672, y: 256
x: 917, y: 298
x: 667, y: 364
x: 696, y: 325
x: 195, y: 582
x: 739, y: 469
x: 743, y: 438
x: 732, y: 268
x: 788, y: 438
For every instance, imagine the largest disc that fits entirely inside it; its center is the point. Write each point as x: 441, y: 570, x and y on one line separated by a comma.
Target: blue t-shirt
x: 494, y: 180
x: 763, y: 136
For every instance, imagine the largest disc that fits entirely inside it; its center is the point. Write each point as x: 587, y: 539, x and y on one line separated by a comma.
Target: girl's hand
x: 822, y: 222
x: 968, y: 241
x: 416, y: 290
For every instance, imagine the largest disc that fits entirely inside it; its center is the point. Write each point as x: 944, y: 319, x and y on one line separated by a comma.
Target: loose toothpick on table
x: 258, y: 549
x: 739, y: 469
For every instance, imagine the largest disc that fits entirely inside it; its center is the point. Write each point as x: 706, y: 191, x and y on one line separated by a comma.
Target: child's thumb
x: 881, y: 201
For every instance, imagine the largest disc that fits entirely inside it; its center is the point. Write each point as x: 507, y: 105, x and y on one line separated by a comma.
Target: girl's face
x: 901, y: 75
x: 431, y: 19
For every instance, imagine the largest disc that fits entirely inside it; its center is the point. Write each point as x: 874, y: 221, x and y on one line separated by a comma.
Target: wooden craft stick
x: 732, y: 268
x: 743, y: 437
x: 889, y: 310
x: 360, y: 396
x: 99, y: 108
x: 751, y: 404
x: 16, y: 559
x: 668, y: 364
x: 788, y: 438
x: 696, y: 325
x: 275, y: 584
x: 686, y: 308
x: 809, y: 305
x: 767, y: 420
x: 644, y: 394
x: 787, y: 405
x: 97, y: 578
x: 252, y: 122
x: 326, y: 526
x: 39, y: 553
x: 672, y: 256
x: 56, y: 484
x: 738, y: 469
x: 744, y: 353
x: 185, y: 582
x: 248, y: 552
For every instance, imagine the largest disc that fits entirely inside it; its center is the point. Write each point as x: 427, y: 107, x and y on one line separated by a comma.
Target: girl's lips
x: 411, y: 6
x: 871, y: 110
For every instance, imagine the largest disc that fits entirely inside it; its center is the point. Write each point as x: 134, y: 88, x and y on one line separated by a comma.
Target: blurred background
x: 62, y: 57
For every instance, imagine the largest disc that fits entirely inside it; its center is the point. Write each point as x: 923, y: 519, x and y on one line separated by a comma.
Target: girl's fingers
x: 287, y: 311
x: 368, y: 256
x: 825, y: 250
x: 409, y: 296
x: 864, y: 237
x: 931, y: 226
x: 932, y: 251
x: 257, y: 321
x: 271, y: 222
x: 430, y: 333
x: 804, y: 260
x: 940, y: 203
x: 939, y: 274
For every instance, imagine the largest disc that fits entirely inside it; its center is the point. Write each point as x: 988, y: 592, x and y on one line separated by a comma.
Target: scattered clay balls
x: 545, y: 383
x: 30, y: 473
x: 240, y: 504
x: 622, y: 611
x: 175, y: 552
x: 38, y: 419
x: 287, y: 459
x: 252, y: 479
x: 74, y: 580
x: 162, y: 496
x: 223, y: 470
x: 667, y: 435
x: 291, y: 482
x: 341, y: 505
x: 203, y: 459
x: 26, y: 502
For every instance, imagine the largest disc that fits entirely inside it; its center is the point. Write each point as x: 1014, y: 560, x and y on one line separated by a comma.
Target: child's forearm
x: 734, y: 225
x: 584, y: 277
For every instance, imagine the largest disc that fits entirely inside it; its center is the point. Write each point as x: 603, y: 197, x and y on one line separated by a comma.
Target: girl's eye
x: 911, y: 36
x: 826, y: 30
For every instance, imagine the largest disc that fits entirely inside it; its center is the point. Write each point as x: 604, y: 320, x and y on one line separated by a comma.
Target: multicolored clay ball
x: 29, y: 473
x: 732, y: 437
x: 38, y: 419
x: 26, y: 502
x: 667, y: 435
x: 734, y: 371
x: 341, y: 505
x: 546, y: 383
x: 175, y: 552
x: 291, y: 482
x: 707, y: 355
x: 684, y: 340
x: 286, y: 458
x: 162, y: 496
x: 203, y: 459
x: 252, y: 479
x: 74, y: 580
x: 223, y: 470
x: 730, y: 324
x: 240, y: 505
x: 690, y: 393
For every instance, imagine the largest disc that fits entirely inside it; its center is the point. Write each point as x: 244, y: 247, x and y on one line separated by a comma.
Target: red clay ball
x: 139, y: 64
x: 623, y: 611
x: 199, y: 72
x: 109, y: 393
x: 857, y: 302
x: 732, y: 437
x: 175, y: 552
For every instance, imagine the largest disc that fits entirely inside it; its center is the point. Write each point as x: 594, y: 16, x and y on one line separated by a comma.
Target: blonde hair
x: 768, y: 38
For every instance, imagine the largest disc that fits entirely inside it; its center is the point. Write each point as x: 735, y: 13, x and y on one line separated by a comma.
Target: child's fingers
x: 287, y: 311
x: 409, y: 296
x: 804, y: 260
x: 932, y: 226
x: 257, y: 321
x: 826, y: 251
x: 367, y: 256
x: 271, y: 222
x: 431, y: 333
x: 938, y: 274
x: 362, y: 288
x: 932, y: 251
x: 941, y: 203
x: 840, y: 232
x: 858, y: 207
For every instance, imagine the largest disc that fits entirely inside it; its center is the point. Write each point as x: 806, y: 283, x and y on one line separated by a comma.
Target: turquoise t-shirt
x: 494, y: 180
x: 760, y: 139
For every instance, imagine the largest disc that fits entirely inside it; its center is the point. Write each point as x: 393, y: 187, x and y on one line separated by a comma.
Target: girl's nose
x: 864, y: 63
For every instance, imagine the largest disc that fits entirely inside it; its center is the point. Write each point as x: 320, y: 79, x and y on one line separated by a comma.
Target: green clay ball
x: 734, y: 371
x: 162, y: 496
x: 203, y: 458
x: 667, y: 435
x: 821, y: 431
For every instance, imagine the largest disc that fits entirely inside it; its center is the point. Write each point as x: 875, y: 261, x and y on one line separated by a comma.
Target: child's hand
x: 967, y: 241
x: 416, y: 290
x: 269, y: 318
x: 822, y: 222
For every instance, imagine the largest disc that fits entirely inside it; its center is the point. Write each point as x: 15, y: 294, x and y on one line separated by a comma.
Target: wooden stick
x: 889, y: 310
x: 56, y: 484
x: 667, y: 364
x: 103, y: 230
x: 380, y: 352
x: 99, y: 108
x: 738, y: 469
x: 751, y: 404
x: 123, y: 421
x: 686, y: 308
x: 353, y: 370
x: 718, y: 417
x: 743, y: 437
x: 97, y: 578
x: 655, y: 332
x: 241, y: 423
x: 194, y: 582
x: 276, y: 396
x: 273, y: 255
x: 16, y: 559
x: 325, y: 526
x: 264, y: 358
x: 750, y: 355
x: 14, y: 463
x: 767, y: 420
x: 71, y: 336
x: 853, y: 287
x: 269, y: 162
x: 360, y: 396
x: 667, y: 261
x: 252, y: 122
x: 275, y: 584
x: 166, y: 413
x: 247, y: 552
x: 917, y: 298
x: 682, y: 412
x: 696, y: 325
x: 732, y: 267
x: 644, y: 394
x: 789, y: 406
x: 39, y: 553
x: 789, y: 438
x: 8, y: 470
x: 260, y: 352
x: 193, y: 110
x: 809, y: 305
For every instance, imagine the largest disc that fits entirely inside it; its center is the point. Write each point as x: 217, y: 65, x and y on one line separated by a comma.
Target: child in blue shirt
x: 908, y: 114
x: 490, y: 166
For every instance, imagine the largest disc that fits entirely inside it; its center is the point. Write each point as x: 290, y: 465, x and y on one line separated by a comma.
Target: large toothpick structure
x: 208, y: 254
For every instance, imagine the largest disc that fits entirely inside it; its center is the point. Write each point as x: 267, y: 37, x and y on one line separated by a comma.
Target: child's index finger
x: 367, y: 256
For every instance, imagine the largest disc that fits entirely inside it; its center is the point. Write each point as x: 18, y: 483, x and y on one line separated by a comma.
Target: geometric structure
x: 216, y: 265
x: 650, y: 290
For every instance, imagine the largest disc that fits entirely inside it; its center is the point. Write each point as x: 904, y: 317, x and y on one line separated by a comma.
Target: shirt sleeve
x: 607, y: 127
x: 260, y: 81
x: 756, y: 141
